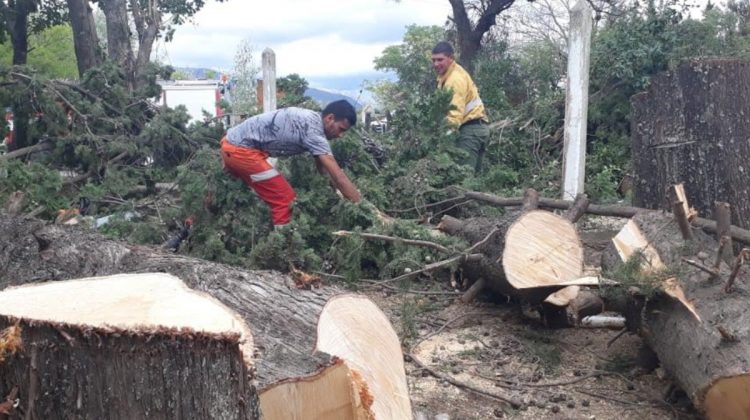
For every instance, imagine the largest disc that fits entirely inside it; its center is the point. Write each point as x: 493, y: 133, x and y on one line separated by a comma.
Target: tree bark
x: 470, y: 35
x: 85, y: 38
x: 691, y: 127
x: 701, y: 338
x: 118, y: 37
x: 282, y: 317
x: 68, y: 372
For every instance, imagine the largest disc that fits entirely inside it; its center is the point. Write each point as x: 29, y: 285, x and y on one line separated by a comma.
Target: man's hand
x: 338, y: 178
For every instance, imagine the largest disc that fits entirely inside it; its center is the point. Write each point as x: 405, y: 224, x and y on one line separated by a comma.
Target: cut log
x: 532, y: 256
x: 283, y: 317
x: 367, y: 382
x: 126, y: 347
x: 684, y: 325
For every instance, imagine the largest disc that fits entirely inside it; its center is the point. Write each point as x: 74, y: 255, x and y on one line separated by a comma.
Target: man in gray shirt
x: 286, y: 132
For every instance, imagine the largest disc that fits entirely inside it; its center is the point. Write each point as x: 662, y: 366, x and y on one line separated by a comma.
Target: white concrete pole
x: 576, y: 101
x: 269, y: 80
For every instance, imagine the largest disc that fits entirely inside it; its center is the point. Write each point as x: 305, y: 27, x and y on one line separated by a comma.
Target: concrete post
x: 269, y: 80
x: 576, y: 101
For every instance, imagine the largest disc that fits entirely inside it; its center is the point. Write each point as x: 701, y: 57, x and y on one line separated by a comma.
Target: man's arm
x: 338, y: 177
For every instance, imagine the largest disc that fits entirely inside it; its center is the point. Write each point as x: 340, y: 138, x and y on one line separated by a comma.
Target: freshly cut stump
x: 124, y: 347
x: 367, y: 379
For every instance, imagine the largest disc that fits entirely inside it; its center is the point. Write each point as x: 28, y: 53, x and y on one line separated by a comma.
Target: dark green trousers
x: 473, y: 139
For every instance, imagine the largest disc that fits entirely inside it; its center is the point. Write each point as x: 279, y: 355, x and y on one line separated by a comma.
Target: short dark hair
x: 341, y: 109
x: 443, y: 47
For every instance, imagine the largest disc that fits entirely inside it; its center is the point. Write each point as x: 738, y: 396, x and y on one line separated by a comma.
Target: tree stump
x: 124, y: 347
x: 691, y: 127
x: 700, y: 333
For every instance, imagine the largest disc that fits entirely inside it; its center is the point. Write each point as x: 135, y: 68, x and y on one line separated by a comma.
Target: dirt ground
x: 491, y: 359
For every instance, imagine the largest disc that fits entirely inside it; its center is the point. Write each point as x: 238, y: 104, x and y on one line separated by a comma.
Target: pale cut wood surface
x: 330, y: 394
x: 354, y: 329
x: 542, y: 249
x: 728, y: 399
x: 127, y: 301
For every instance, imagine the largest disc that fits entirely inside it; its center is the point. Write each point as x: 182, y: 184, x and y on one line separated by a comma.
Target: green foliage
x: 293, y: 88
x: 51, y: 53
x: 42, y: 185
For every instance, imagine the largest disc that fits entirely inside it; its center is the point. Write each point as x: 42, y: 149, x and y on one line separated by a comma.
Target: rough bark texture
x: 691, y: 127
x: 85, y: 39
x: 474, y: 230
x: 694, y: 352
x: 283, y: 319
x: 67, y: 372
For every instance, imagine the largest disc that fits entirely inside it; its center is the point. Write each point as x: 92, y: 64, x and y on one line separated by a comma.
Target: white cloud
x: 314, y: 38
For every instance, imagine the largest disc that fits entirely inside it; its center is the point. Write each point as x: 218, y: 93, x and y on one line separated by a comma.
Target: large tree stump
x: 691, y: 127
x: 283, y: 318
x: 700, y: 333
x: 124, y: 347
x: 530, y: 256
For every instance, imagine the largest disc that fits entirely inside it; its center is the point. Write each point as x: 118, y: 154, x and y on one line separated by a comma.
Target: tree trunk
x: 469, y: 35
x: 530, y: 256
x: 283, y: 318
x: 124, y: 347
x: 85, y: 38
x: 17, y: 24
x: 118, y: 37
x: 691, y: 127
x: 699, y: 332
x: 147, y: 24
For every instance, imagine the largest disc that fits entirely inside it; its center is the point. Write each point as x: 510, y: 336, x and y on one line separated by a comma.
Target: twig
x: 712, y: 271
x: 450, y: 261
x: 615, y: 338
x: 442, y: 327
x: 741, y: 257
x: 477, y: 245
x: 426, y: 244
x: 502, y: 398
x: 596, y: 374
x: 453, y: 200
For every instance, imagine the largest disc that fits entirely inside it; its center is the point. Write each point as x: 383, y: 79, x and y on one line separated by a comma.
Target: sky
x: 330, y: 43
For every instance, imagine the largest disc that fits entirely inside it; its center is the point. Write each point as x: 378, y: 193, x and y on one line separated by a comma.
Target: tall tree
x: 152, y: 19
x: 470, y: 34
x: 245, y: 70
x: 20, y: 18
x: 85, y: 38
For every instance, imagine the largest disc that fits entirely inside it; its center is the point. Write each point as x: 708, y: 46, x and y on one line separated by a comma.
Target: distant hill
x: 199, y: 73
x: 324, y: 97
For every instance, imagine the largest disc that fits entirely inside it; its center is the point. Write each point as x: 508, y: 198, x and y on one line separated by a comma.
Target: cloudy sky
x: 331, y: 43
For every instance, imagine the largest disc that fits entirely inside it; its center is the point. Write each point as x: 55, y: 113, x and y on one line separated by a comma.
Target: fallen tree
x: 678, y: 303
x: 282, y: 317
x: 528, y: 255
